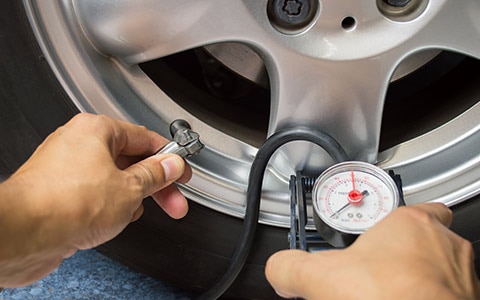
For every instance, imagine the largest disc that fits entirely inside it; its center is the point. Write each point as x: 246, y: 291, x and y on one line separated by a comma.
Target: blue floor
x: 90, y: 275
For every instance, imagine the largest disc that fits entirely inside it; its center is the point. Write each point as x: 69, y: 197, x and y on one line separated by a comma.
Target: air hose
x: 254, y: 191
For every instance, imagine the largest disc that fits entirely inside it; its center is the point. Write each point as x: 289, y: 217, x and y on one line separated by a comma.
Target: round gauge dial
x: 353, y: 196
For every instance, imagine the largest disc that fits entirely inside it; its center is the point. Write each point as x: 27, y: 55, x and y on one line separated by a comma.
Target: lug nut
x: 397, y: 3
x: 402, y: 10
x: 290, y: 16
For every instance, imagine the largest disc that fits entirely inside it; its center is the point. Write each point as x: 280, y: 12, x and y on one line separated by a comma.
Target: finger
x: 438, y: 211
x: 282, y: 269
x: 135, y: 140
x: 124, y: 162
x: 172, y: 201
x: 154, y: 173
x: 121, y: 137
x: 187, y: 174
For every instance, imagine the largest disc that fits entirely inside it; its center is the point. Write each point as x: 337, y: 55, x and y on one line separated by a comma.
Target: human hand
x: 81, y: 188
x: 411, y: 254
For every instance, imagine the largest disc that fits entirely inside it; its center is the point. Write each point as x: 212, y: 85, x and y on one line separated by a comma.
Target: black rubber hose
x: 254, y: 191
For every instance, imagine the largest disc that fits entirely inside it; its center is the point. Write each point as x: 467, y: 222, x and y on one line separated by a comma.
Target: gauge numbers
x: 351, y: 197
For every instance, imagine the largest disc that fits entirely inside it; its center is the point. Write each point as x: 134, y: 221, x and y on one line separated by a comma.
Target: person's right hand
x: 83, y: 185
x: 411, y: 254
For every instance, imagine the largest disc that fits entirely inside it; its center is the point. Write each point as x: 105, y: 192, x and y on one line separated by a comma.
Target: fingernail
x: 172, y: 167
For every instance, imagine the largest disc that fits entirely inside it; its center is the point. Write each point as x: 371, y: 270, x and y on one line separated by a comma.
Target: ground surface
x: 90, y: 275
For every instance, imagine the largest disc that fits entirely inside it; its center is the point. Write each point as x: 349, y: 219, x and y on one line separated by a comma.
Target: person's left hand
x: 83, y: 185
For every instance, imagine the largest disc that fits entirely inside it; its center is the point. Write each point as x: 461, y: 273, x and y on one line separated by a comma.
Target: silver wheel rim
x: 95, y: 46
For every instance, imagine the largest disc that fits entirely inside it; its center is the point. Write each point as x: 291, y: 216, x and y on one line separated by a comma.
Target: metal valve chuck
x: 185, y: 141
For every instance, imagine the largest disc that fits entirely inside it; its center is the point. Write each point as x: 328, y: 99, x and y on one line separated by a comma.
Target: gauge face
x: 351, y: 197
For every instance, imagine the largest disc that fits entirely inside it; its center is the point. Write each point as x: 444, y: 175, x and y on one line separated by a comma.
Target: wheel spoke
x: 139, y: 31
x: 455, y: 26
x: 343, y: 99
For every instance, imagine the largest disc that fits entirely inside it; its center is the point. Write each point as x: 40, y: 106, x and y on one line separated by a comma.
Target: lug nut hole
x: 349, y: 23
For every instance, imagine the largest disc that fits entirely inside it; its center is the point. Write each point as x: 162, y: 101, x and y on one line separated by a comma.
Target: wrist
x: 33, y: 249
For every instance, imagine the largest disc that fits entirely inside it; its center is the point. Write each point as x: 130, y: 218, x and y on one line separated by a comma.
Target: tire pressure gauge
x: 351, y: 197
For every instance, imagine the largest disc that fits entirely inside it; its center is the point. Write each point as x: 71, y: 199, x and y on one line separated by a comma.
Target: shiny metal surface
x: 185, y: 143
x: 327, y: 77
x: 245, y: 62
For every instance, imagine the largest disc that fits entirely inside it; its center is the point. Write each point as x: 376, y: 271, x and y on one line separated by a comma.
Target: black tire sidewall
x: 32, y: 103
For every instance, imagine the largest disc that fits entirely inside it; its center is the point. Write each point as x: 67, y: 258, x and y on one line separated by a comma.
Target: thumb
x: 156, y: 172
x: 281, y: 269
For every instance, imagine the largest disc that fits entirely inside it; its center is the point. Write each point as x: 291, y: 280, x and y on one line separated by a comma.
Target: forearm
x: 29, y: 250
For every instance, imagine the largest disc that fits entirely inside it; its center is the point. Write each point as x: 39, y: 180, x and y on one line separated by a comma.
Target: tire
x: 190, y: 253
x: 32, y: 103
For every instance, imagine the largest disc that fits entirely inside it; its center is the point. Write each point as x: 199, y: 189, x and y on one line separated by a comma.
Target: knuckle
x: 142, y: 128
x: 135, y: 184
x: 420, y: 215
x: 83, y: 118
x: 416, y: 215
x: 99, y: 121
x: 143, y: 179
x: 423, y: 217
x: 90, y: 121
x: 465, y: 247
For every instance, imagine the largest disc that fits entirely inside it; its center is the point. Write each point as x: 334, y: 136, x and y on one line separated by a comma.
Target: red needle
x: 354, y: 197
x: 353, y: 179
